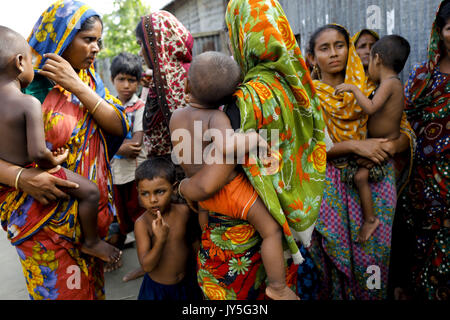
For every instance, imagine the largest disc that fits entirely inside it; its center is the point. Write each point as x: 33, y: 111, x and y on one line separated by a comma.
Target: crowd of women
x: 408, y: 252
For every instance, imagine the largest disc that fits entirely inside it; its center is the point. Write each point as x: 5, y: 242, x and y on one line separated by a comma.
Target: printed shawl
x: 425, y: 204
x: 168, y: 46
x: 277, y: 95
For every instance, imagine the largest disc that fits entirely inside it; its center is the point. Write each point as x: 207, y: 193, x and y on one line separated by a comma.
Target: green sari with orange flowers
x: 276, y: 95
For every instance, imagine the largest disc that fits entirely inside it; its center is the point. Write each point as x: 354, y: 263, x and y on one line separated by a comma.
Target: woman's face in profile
x: 445, y: 36
x: 84, y: 47
x: 143, y: 53
x: 331, y: 51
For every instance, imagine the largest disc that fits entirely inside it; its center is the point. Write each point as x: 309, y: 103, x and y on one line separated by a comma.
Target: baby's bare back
x: 386, y: 122
x: 13, y: 142
x: 196, y: 122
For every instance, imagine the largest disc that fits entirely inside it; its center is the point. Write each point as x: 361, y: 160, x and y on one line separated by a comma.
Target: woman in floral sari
x: 423, y: 264
x: 79, y: 114
x: 350, y: 270
x: 276, y: 95
x: 166, y: 46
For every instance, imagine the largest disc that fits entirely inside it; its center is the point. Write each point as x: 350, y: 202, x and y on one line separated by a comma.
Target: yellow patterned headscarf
x: 344, y: 118
x: 370, y: 86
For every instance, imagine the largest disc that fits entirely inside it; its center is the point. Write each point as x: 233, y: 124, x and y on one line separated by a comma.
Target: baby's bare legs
x: 88, y: 196
x: 271, y: 251
x: 371, y: 222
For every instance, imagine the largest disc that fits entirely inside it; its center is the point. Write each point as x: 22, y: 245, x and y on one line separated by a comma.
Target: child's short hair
x: 126, y: 63
x: 213, y: 77
x: 157, y: 167
x: 11, y: 43
x: 393, y: 51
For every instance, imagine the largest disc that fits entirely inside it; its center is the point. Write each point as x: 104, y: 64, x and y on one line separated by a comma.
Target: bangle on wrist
x: 96, y: 106
x: 179, y: 189
x: 17, y: 178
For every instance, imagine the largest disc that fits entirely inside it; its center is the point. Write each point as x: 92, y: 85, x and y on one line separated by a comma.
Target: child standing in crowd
x: 166, y: 236
x: 213, y: 78
x: 385, y: 108
x: 126, y: 71
x: 23, y: 139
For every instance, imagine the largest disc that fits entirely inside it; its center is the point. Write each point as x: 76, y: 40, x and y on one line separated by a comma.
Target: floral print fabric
x: 277, y: 95
x: 424, y: 206
x: 173, y: 44
x: 47, y: 237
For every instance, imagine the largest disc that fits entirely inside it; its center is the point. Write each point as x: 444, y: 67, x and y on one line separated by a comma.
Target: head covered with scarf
x: 277, y: 94
x: 53, y: 33
x: 68, y: 124
x: 417, y: 91
x: 167, y: 51
x: 424, y: 206
x: 357, y: 35
x: 344, y: 118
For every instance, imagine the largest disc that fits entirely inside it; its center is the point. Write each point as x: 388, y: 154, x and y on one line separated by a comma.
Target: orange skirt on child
x: 234, y: 200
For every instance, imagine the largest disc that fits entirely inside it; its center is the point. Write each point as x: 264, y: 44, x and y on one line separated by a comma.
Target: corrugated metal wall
x: 410, y: 18
x: 199, y: 15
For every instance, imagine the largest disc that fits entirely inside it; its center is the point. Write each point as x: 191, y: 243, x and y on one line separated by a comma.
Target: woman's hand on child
x: 372, y: 150
x: 160, y: 228
x: 44, y: 187
x: 59, y: 70
x: 344, y: 87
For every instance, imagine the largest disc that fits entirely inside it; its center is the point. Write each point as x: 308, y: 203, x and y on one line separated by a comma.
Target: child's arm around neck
x: 382, y: 95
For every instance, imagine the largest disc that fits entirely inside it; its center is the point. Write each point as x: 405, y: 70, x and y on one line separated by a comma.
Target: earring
x: 316, y: 71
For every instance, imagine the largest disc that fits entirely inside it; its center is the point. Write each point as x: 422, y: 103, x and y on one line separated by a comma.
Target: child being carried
x: 213, y: 77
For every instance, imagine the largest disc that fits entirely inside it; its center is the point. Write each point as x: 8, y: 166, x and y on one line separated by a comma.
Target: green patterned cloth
x: 277, y: 94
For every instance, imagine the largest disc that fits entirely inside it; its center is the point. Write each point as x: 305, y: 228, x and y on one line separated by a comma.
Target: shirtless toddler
x: 23, y: 138
x: 387, y: 59
x: 212, y: 79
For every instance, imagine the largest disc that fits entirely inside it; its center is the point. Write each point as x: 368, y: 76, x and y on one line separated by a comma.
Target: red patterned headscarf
x: 168, y: 45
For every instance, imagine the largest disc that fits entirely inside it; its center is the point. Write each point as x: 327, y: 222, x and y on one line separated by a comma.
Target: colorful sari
x: 169, y: 48
x: 47, y: 238
x: 350, y: 270
x: 424, y: 206
x: 276, y: 94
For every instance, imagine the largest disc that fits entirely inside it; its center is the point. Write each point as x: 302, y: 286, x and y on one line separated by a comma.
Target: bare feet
x: 283, y: 293
x: 133, y: 275
x: 368, y: 227
x: 102, y: 250
x: 111, y: 266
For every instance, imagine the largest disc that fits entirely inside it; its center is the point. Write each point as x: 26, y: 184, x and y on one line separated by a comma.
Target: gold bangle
x: 179, y: 189
x: 17, y: 178
x: 96, y: 106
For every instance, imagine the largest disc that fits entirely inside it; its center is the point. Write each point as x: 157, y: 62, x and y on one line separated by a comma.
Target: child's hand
x: 344, y: 87
x: 59, y: 156
x: 130, y: 150
x: 160, y: 228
